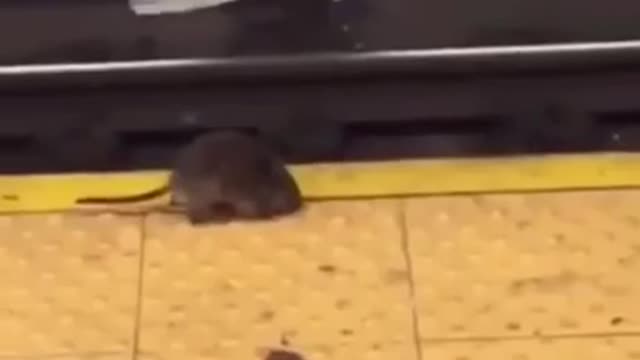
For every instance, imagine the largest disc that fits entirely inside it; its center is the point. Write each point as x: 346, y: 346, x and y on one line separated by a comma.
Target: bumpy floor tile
x: 615, y: 348
x: 69, y: 284
x: 523, y: 265
x: 329, y: 284
x: 590, y: 348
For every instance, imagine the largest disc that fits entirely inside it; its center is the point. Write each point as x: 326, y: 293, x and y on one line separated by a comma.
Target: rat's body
x: 230, y: 174
x: 227, y: 174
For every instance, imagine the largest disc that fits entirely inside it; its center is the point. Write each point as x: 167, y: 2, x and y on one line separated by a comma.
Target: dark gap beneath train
x: 365, y: 141
x: 15, y: 142
x: 622, y: 129
x: 417, y: 138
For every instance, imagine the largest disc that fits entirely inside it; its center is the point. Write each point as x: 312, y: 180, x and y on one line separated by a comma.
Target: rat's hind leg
x: 283, y: 204
x: 283, y: 194
x: 287, y: 200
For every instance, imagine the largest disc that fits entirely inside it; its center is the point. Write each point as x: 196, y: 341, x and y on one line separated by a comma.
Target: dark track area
x: 326, y: 80
x: 79, y: 152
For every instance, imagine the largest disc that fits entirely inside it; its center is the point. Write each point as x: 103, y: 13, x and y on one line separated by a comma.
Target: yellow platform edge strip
x: 38, y: 193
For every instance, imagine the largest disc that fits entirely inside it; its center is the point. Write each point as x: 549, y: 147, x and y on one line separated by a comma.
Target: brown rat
x: 228, y: 174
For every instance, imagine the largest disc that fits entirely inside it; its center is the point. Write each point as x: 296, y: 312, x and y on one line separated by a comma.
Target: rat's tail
x: 149, y: 195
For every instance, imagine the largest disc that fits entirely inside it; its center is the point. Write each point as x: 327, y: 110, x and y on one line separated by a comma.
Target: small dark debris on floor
x: 283, y: 355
